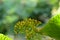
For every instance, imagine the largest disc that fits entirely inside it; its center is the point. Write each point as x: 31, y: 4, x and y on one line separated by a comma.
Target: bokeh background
x: 12, y: 11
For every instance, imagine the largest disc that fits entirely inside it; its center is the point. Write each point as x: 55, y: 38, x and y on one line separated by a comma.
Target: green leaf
x: 3, y: 37
x: 52, y: 28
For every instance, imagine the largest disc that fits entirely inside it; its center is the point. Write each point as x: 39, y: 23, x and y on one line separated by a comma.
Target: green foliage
x: 3, y: 37
x: 20, y: 7
x: 52, y: 28
x: 14, y: 10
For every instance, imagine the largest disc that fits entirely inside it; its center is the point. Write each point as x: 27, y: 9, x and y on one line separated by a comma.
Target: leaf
x: 3, y: 37
x: 52, y: 28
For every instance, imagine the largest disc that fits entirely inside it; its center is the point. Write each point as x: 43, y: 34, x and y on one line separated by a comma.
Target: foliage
x: 3, y: 37
x: 12, y: 11
x: 52, y: 28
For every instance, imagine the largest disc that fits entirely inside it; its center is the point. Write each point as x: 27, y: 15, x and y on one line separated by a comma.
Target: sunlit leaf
x: 52, y: 28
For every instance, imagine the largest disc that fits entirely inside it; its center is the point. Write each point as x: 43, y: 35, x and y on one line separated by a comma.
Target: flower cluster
x: 27, y: 27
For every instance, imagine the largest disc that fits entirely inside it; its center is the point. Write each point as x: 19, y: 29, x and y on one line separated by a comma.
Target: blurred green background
x: 12, y: 11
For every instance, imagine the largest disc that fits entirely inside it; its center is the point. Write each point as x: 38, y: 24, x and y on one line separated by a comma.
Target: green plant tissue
x: 52, y: 28
x: 3, y: 37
